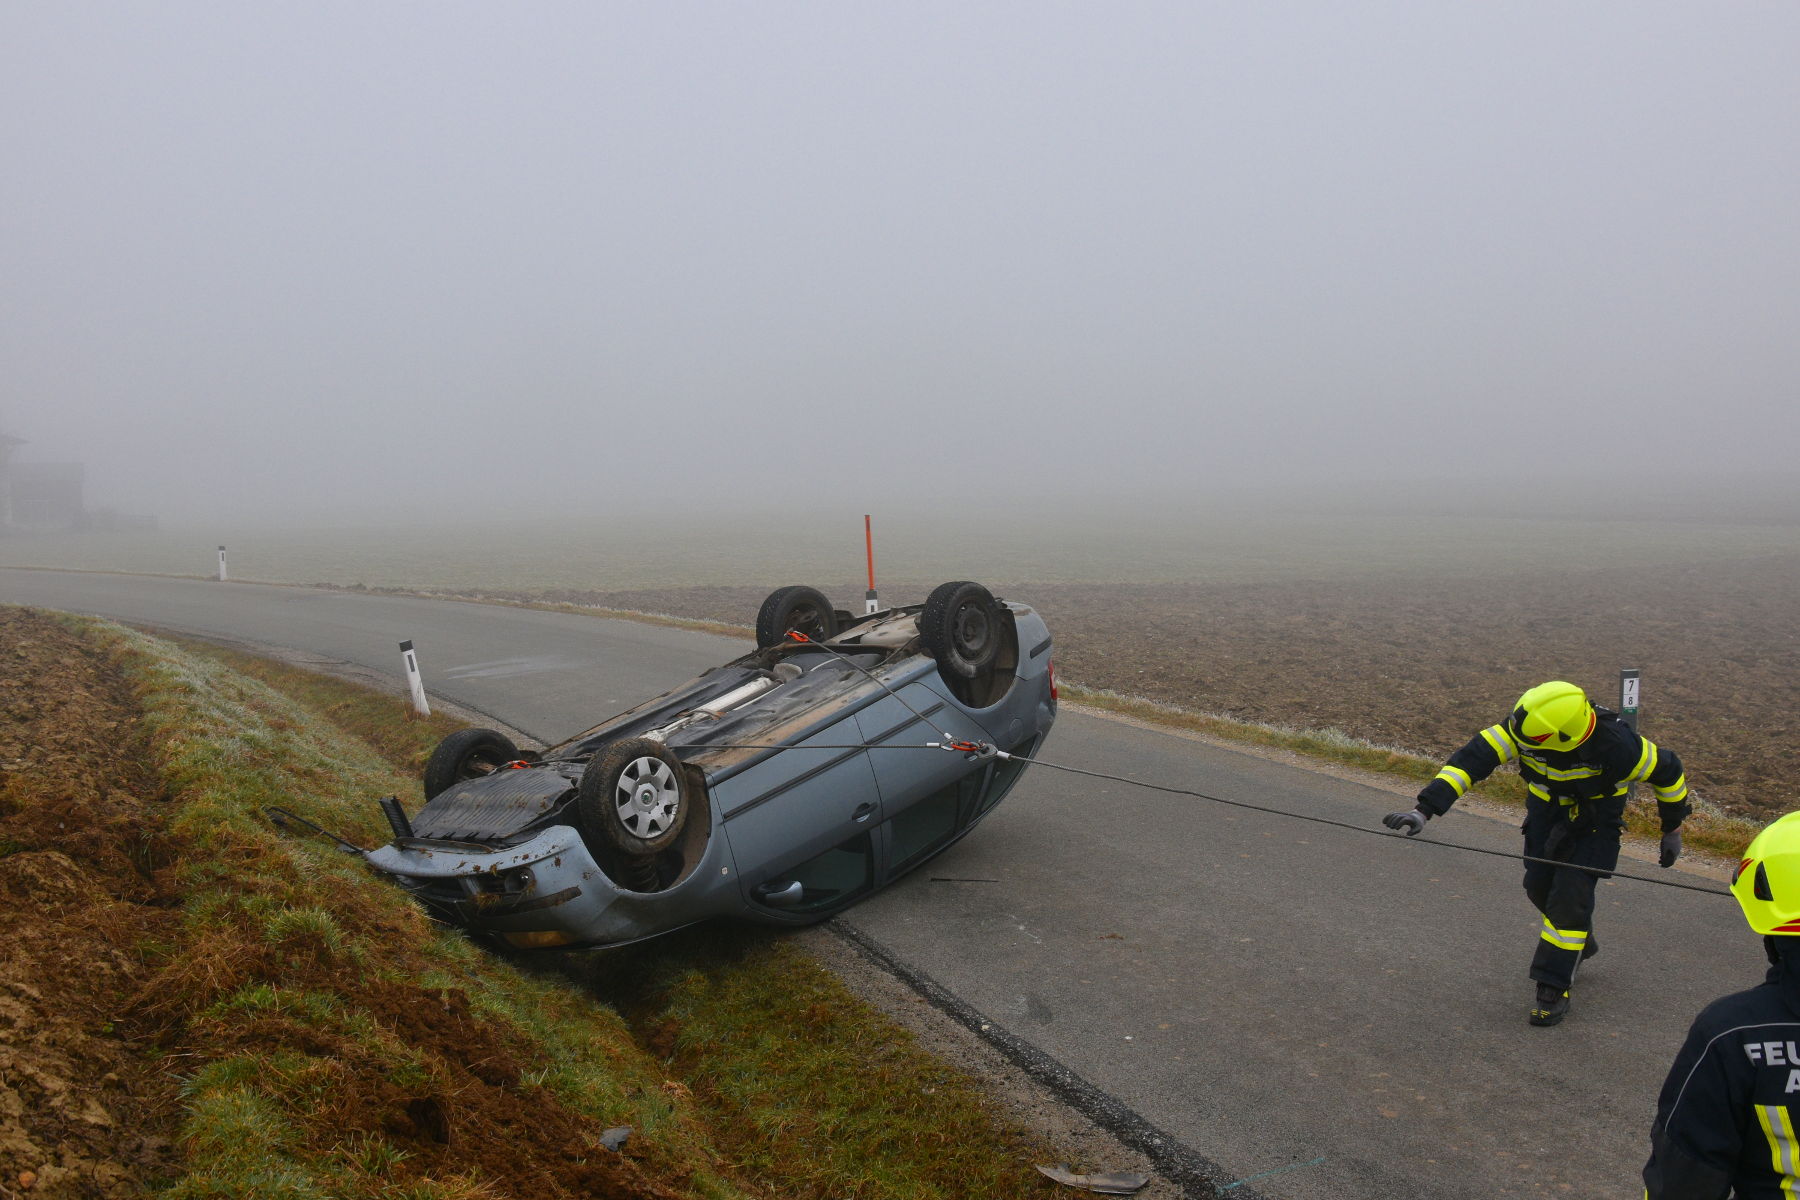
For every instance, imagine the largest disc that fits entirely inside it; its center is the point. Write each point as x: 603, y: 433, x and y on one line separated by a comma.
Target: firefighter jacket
x: 1589, y: 783
x: 1727, y: 1115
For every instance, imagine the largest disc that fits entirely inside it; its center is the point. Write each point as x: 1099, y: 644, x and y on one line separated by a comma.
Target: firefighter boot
x: 1552, y: 1004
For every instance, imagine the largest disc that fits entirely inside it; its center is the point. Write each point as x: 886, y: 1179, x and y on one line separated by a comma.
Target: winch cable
x: 986, y: 750
x: 281, y: 816
x: 1597, y: 871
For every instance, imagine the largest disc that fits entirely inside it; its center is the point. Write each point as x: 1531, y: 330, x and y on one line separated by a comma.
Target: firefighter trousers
x: 1565, y: 897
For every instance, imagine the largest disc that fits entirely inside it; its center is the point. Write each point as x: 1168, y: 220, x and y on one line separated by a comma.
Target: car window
x: 834, y: 877
x: 922, y: 827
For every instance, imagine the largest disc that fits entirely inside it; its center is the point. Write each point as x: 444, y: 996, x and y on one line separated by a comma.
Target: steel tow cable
x: 1597, y: 871
x: 987, y: 750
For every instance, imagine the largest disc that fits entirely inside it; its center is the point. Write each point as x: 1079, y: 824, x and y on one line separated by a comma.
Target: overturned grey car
x: 781, y: 787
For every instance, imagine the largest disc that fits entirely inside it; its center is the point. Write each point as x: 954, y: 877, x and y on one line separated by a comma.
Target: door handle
x: 863, y: 812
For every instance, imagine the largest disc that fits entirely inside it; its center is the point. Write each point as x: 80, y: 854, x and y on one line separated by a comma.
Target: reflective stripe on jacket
x: 1726, y: 1119
x: 1589, y: 782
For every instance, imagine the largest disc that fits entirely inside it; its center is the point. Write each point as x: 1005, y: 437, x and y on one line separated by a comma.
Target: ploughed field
x: 1420, y: 663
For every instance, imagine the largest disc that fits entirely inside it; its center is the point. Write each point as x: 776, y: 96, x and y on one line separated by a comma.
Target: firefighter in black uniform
x: 1726, y: 1119
x: 1579, y: 761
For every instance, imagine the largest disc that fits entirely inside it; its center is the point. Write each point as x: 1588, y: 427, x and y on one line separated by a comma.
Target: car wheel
x: 635, y: 796
x: 466, y: 754
x: 961, y: 628
x: 803, y: 609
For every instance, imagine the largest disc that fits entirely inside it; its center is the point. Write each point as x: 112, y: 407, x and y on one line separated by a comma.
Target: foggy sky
x: 272, y: 260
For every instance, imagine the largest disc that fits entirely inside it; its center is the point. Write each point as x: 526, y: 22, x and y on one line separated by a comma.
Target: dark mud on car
x: 780, y: 787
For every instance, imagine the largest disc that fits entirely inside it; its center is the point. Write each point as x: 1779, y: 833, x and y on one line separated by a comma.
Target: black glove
x: 1412, y: 820
x: 1671, y: 848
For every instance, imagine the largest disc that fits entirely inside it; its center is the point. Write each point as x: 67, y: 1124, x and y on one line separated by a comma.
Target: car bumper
x: 544, y: 893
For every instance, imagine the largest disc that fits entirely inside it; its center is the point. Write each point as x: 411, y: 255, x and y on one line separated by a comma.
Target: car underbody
x: 831, y: 764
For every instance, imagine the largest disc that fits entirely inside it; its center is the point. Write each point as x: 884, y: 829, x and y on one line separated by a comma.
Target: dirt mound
x: 82, y: 1111
x: 476, y: 1119
x: 105, y: 995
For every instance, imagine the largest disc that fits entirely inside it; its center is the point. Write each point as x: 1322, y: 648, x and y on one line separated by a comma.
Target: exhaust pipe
x: 715, y: 708
x: 739, y: 695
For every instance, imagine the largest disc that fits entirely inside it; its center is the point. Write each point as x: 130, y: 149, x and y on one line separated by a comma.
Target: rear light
x: 1050, y: 667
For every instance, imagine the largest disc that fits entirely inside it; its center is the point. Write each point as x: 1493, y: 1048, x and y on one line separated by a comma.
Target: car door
x: 800, y: 823
x: 928, y: 795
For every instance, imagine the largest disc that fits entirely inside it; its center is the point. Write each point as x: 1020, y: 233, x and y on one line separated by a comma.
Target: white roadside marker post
x: 221, y: 564
x: 1628, y: 709
x: 1628, y: 697
x: 413, y: 679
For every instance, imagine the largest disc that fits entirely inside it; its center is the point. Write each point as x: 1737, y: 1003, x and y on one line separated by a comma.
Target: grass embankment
x: 1706, y: 830
x: 326, y: 1040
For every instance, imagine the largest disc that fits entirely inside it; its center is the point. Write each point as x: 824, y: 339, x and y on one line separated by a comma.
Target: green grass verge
x: 807, y: 1087
x: 326, y: 1030
x: 331, y: 1028
x: 404, y: 739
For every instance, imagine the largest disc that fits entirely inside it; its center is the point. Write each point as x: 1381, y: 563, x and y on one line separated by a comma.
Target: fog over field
x: 325, y: 265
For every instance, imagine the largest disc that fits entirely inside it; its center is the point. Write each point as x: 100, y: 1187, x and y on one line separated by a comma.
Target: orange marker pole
x: 869, y: 543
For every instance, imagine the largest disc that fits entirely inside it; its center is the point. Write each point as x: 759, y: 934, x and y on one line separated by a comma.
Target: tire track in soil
x: 82, y: 1111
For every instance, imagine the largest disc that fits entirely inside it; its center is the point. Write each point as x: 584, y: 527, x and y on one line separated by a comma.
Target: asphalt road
x: 1335, y: 1013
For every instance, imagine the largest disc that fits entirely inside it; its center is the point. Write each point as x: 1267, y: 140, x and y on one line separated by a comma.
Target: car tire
x: 799, y: 608
x: 466, y: 754
x: 635, y: 797
x: 961, y: 627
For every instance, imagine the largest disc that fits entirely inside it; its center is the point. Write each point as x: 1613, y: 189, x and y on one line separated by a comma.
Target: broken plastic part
x: 396, y: 816
x: 1111, y: 1183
